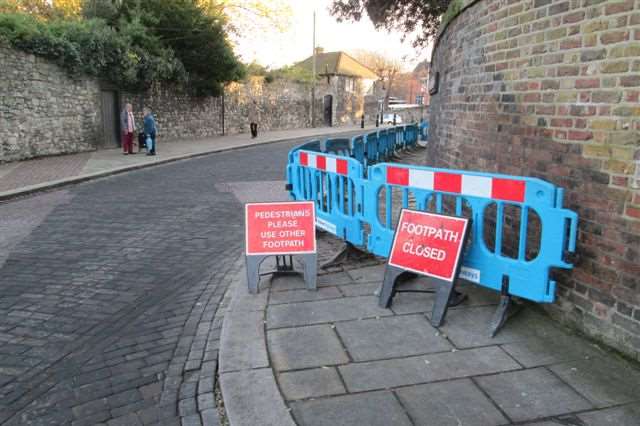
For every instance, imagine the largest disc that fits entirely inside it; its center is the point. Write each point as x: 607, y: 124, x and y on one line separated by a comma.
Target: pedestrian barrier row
x: 519, y: 228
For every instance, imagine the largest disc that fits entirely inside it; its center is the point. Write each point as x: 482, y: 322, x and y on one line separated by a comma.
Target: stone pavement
x: 32, y: 175
x: 109, y: 291
x: 333, y: 357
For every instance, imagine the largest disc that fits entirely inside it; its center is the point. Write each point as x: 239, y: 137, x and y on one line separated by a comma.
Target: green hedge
x: 130, y: 58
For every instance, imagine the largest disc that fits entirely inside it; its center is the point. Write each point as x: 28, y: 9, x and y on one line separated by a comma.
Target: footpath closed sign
x: 428, y: 244
x: 280, y: 228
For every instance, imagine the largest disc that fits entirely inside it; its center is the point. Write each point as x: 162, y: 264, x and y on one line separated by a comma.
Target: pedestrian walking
x: 128, y: 126
x: 254, y: 117
x: 150, y: 131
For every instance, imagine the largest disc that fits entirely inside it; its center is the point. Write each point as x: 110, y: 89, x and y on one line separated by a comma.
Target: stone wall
x: 550, y: 88
x: 178, y: 115
x: 42, y: 110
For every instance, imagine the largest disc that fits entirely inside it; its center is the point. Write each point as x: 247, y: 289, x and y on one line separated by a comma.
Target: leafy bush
x: 130, y: 43
x: 291, y: 72
x: 131, y: 58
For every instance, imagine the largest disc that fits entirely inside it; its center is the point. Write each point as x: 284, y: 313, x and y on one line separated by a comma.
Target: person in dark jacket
x: 150, y: 131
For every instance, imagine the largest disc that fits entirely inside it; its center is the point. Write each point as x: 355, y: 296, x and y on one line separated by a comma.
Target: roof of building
x: 337, y: 63
x: 422, y: 67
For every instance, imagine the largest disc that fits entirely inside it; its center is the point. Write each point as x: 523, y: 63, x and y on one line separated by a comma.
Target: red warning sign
x: 428, y: 243
x: 280, y: 228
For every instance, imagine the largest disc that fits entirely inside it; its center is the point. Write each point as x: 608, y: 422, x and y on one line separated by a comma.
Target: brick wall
x: 550, y: 88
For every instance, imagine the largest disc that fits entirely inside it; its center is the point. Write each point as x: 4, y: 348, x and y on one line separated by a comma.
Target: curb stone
x: 251, y: 394
x: 54, y: 184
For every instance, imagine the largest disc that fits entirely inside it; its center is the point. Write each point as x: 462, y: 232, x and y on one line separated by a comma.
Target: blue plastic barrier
x: 340, y: 146
x: 358, y: 149
x: 384, y: 143
x: 411, y: 136
x: 371, y: 147
x: 424, y: 131
x: 433, y: 188
x: 350, y: 205
x: 333, y: 183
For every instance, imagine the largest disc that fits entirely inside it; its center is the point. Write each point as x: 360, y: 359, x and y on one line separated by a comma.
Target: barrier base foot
x: 309, y: 261
x: 507, y: 308
x: 348, y: 252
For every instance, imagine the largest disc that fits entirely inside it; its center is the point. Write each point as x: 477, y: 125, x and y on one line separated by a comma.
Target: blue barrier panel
x: 313, y: 145
x: 424, y: 131
x: 334, y: 184
x: 384, y: 143
x: 338, y: 146
x: 477, y: 195
x: 399, y: 142
x: 371, y: 148
x: 358, y: 149
x: 411, y: 136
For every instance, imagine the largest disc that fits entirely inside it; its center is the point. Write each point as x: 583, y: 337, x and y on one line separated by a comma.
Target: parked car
x: 388, y: 119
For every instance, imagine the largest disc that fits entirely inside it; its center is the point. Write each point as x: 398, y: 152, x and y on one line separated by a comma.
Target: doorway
x: 328, y: 110
x: 110, y: 120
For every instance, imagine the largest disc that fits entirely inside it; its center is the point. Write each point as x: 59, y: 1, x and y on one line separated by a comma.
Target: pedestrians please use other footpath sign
x: 428, y: 244
x: 280, y: 228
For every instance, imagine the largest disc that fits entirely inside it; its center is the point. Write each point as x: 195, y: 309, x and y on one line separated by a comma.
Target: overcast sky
x: 275, y: 49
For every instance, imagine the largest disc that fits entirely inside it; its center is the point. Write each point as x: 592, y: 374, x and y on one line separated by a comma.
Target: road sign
x: 428, y: 244
x: 280, y: 228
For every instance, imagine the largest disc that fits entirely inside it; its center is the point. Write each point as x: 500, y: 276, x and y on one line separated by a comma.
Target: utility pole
x: 313, y: 83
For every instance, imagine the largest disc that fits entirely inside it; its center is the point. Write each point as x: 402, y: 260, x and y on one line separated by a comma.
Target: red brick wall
x: 550, y: 88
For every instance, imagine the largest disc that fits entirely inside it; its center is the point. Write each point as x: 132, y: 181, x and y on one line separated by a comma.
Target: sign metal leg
x: 443, y: 294
x: 252, y: 264
x: 391, y: 274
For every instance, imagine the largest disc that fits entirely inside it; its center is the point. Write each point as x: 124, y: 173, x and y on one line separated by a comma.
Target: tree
x: 192, y: 29
x: 39, y: 8
x: 386, y: 67
x: 418, y: 18
x: 248, y: 20
x: 67, y: 8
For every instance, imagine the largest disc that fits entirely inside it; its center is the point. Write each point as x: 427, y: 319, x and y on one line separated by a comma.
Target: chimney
x: 319, y: 50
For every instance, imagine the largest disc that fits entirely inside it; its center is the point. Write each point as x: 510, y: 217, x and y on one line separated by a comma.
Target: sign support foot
x: 506, y: 308
x: 309, y: 262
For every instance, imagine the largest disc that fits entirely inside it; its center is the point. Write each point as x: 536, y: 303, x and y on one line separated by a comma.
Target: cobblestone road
x: 108, y: 296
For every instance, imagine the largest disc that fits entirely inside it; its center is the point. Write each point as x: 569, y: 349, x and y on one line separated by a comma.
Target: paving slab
x: 306, y: 313
x: 390, y: 337
x: 469, y: 327
x: 311, y: 383
x: 337, y: 278
x: 292, y: 296
x: 626, y: 415
x: 536, y: 351
x: 367, y: 409
x: 289, y: 282
x: 454, y: 403
x: 305, y: 347
x: 244, y: 344
x: 532, y: 394
x: 368, y: 274
x: 385, y: 374
x: 251, y: 397
x: 244, y: 301
x: 366, y: 289
x: 604, y: 381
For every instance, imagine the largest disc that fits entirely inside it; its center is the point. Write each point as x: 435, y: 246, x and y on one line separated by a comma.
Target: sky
x: 275, y: 49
